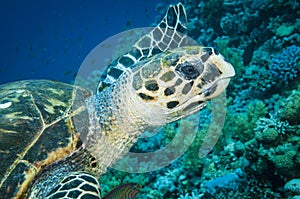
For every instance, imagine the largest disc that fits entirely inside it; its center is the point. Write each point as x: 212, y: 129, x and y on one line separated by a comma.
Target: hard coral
x: 268, y: 135
x: 290, y: 111
x: 279, y: 71
x: 240, y: 123
x: 231, y: 181
x: 284, y: 162
x: 211, y: 12
x: 292, y: 187
x: 286, y: 66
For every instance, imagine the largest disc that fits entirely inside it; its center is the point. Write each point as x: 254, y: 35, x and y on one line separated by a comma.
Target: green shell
x: 36, y: 129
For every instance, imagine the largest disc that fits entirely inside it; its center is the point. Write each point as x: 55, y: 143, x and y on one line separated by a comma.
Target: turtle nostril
x: 216, y: 51
x: 208, y: 50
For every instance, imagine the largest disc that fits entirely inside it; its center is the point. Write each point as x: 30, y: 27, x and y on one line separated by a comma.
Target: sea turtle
x: 41, y: 152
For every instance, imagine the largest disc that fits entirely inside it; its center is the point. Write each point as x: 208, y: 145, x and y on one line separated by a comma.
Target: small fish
x: 75, y: 75
x: 124, y: 191
x: 67, y: 72
x: 147, y: 13
x: 248, y: 52
x: 128, y: 23
x: 105, y: 20
x: 17, y: 48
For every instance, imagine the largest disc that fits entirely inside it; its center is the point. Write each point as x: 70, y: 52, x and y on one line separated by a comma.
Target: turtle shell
x: 36, y: 129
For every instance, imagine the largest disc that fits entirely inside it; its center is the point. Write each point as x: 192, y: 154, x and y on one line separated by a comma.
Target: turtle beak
x: 217, y: 86
x: 224, y: 66
x: 221, y: 83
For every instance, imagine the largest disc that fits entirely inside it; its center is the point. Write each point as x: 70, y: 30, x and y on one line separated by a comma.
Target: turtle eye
x: 188, y: 70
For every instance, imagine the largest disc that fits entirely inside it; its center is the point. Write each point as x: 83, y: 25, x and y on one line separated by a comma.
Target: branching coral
x: 192, y: 196
x: 273, y: 123
x: 286, y: 66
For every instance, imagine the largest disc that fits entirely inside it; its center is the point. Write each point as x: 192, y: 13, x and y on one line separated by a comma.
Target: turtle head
x: 180, y: 81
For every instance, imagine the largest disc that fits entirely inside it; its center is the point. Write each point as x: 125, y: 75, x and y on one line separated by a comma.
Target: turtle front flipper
x: 83, y: 185
x: 77, y: 185
x: 62, y: 177
x: 170, y: 33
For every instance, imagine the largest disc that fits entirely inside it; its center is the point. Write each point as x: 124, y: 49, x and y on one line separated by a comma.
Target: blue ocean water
x: 50, y: 39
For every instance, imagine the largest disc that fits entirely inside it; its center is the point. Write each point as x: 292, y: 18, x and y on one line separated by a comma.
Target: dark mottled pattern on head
x: 183, y: 73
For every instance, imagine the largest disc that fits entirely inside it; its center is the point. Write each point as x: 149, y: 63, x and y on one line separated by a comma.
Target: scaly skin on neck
x: 117, y: 119
x: 120, y: 114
